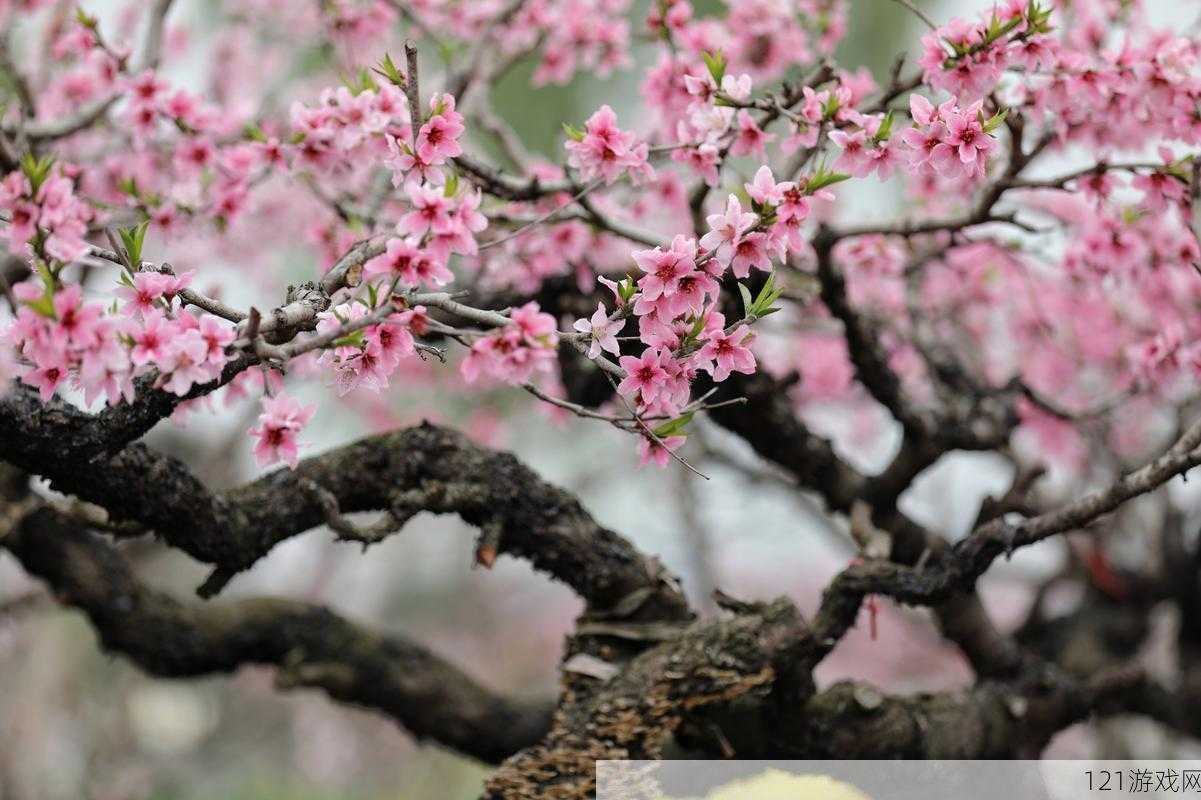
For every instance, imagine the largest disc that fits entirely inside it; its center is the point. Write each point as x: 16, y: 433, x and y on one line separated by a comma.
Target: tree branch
x: 425, y: 468
x: 309, y: 645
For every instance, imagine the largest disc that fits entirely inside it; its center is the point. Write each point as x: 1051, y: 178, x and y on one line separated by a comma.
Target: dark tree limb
x: 309, y: 645
x: 38, y: 436
x: 425, y: 468
x: 722, y: 688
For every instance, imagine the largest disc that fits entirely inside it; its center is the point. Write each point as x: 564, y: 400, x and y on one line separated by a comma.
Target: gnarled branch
x: 310, y: 645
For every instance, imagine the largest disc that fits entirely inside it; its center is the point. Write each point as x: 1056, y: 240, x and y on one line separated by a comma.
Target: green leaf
x: 768, y: 295
x: 452, y: 185
x: 352, y: 339
x: 37, y: 170
x: 253, y: 132
x: 821, y: 179
x: 1131, y: 215
x: 885, y: 129
x: 674, y: 427
x: 748, y: 304
x: 831, y: 107
x: 133, y: 239
x: 716, y: 64
x: 360, y: 82
x: 994, y: 122
x: 85, y: 19
x: 44, y: 306
x: 367, y: 82
x: 388, y: 69
x: 996, y: 29
x: 129, y: 186
x: 626, y: 288
x: 573, y: 133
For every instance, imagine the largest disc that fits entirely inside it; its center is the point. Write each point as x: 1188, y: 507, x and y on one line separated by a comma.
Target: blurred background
x: 77, y: 723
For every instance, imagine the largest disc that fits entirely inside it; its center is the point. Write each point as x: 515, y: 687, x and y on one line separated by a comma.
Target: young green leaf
x: 885, y: 129
x: 37, y: 170
x: 716, y: 64
x: 388, y: 69
x: 748, y: 305
x: 352, y: 339
x: 133, y: 239
x: 674, y: 427
x: 573, y: 133
x: 822, y: 179
x: 626, y: 289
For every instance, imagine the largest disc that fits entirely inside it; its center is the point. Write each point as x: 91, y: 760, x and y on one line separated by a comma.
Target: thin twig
x: 919, y: 13
x: 412, y: 89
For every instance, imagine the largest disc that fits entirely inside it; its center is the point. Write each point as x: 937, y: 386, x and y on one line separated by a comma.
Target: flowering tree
x: 1044, y: 312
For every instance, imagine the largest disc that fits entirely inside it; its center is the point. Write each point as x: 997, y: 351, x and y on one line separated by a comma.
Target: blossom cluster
x: 604, y: 151
x: 44, y: 213
x: 375, y: 125
x: 513, y: 353
x: 951, y: 141
x: 967, y: 57
x: 222, y: 175
x: 674, y: 304
x: 367, y: 357
x: 279, y: 424
x: 57, y: 336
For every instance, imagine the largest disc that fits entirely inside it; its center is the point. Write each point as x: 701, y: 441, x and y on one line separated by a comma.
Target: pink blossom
x: 150, y: 338
x: 601, y: 331
x: 703, y: 159
x: 764, y: 190
x: 965, y: 146
x: 645, y: 377
x: 855, y: 158
x: 147, y: 289
x: 751, y: 251
x: 749, y: 138
x: 392, y: 340
x: 606, y: 151
x: 184, y: 363
x: 414, y: 266
x: 106, y: 373
x: 724, y: 353
x: 282, y: 420
x: 431, y: 212
x: 1160, y: 188
x: 664, y: 268
x: 726, y: 230
x: 516, y: 351
x: 217, y: 336
x: 47, y: 376
x: 966, y: 76
x: 77, y: 322
x: 658, y: 452
x: 438, y: 138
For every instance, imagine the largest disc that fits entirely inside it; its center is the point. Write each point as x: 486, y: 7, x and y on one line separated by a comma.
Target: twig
x: 412, y: 89
x: 919, y: 13
x: 153, y: 46
x: 543, y: 218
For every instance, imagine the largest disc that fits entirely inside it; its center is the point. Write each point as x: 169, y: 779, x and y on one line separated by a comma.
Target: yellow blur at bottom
x: 777, y: 785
